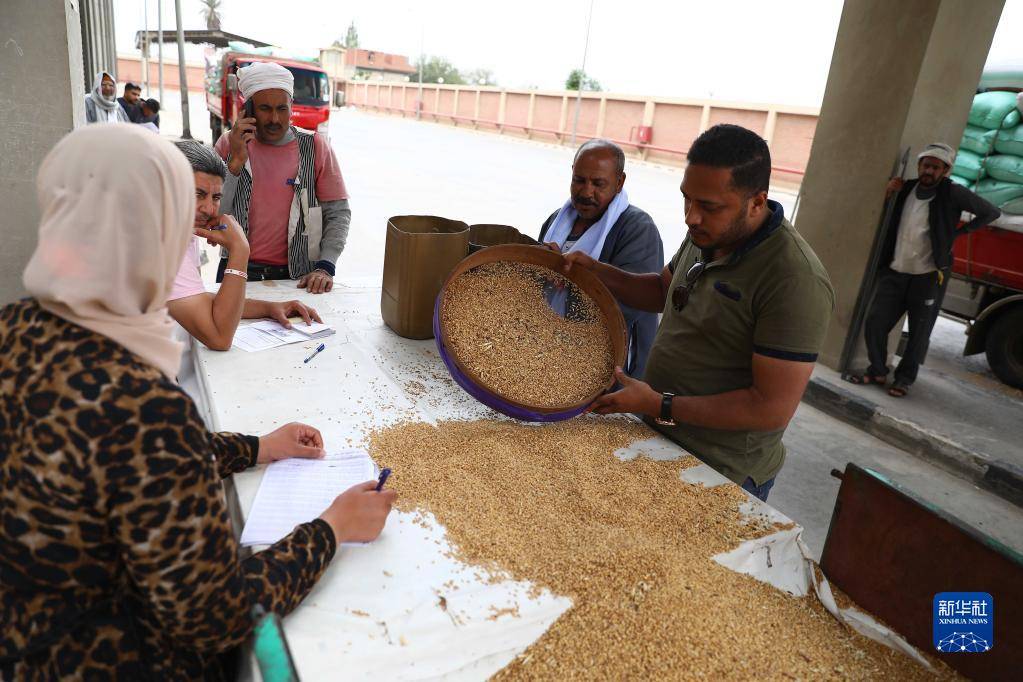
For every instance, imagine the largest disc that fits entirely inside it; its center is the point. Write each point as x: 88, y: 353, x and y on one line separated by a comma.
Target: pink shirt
x: 270, y: 206
x: 188, y: 282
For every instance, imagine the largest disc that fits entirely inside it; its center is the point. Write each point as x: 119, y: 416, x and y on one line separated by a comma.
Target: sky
x: 733, y: 50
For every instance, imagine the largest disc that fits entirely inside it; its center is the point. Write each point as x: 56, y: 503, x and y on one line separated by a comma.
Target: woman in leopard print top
x: 117, y: 556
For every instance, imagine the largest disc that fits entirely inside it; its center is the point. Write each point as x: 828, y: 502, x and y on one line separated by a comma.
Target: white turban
x: 265, y: 76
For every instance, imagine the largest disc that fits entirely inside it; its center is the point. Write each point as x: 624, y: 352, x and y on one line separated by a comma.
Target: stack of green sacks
x: 990, y: 157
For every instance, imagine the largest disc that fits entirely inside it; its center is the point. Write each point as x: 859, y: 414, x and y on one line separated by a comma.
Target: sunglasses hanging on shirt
x: 680, y: 296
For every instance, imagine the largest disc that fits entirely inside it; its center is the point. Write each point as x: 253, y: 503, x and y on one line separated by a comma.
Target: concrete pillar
x: 454, y: 106
x: 705, y: 118
x: 436, y: 102
x: 934, y: 114
x: 769, y: 125
x: 529, y: 115
x: 563, y: 119
x: 649, y: 107
x: 500, y: 111
x: 41, y: 51
x: 601, y: 116
x: 476, y: 110
x: 882, y: 71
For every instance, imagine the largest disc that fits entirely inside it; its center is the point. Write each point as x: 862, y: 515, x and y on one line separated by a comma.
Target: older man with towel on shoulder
x: 284, y: 186
x: 599, y: 221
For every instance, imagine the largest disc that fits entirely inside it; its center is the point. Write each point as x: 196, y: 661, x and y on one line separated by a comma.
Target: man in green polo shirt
x: 745, y: 304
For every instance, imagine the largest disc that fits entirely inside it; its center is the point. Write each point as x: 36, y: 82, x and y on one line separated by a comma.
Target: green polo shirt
x: 771, y: 296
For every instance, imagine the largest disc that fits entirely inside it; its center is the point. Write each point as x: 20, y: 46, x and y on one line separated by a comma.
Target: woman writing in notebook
x: 117, y: 557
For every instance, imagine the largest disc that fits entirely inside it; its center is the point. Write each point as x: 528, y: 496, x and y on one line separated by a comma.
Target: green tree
x: 211, y: 13
x: 480, y: 77
x: 434, y: 69
x: 352, y: 36
x: 578, y: 80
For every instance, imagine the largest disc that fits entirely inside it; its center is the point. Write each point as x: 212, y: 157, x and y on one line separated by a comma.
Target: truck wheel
x: 1004, y: 347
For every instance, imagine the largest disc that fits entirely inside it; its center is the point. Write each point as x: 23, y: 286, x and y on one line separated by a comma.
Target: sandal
x: 864, y: 379
x: 898, y: 390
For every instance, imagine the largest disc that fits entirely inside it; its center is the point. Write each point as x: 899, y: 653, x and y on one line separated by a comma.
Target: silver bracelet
x: 232, y: 271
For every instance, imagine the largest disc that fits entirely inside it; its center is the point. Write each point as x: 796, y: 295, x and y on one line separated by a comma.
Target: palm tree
x: 211, y: 12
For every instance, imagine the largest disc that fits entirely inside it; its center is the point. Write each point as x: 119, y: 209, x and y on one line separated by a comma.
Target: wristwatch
x: 665, y: 418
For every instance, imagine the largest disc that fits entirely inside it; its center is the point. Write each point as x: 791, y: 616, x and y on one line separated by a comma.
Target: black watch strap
x: 665, y: 417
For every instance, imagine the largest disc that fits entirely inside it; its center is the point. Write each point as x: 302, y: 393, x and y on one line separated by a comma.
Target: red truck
x: 310, y: 106
x: 986, y: 292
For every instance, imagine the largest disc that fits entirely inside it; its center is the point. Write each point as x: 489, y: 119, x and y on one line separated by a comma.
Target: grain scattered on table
x: 630, y: 544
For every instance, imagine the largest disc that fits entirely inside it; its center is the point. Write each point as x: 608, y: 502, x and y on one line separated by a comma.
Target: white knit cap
x: 265, y: 76
x: 939, y: 151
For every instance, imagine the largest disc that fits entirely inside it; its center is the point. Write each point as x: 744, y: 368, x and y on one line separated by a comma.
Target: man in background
x: 101, y: 103
x: 599, y: 221
x: 150, y: 114
x: 284, y: 187
x: 916, y: 261
x: 130, y: 102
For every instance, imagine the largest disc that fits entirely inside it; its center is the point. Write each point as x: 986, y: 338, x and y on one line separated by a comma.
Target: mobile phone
x: 249, y: 110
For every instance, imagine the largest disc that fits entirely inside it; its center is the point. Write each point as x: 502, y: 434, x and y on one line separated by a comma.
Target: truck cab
x: 310, y: 106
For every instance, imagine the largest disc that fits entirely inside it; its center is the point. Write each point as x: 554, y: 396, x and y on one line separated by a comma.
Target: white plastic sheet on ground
x: 402, y: 608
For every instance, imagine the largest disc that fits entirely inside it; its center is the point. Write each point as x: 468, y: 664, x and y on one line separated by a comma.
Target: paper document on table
x: 267, y: 334
x: 300, y: 331
x: 294, y: 491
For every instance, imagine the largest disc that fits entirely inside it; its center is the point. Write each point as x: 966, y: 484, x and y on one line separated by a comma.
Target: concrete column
x: 563, y: 119
x: 883, y: 69
x: 601, y: 117
x: 476, y: 110
x: 500, y: 111
x: 705, y: 118
x: 390, y: 96
x: 649, y: 107
x: 40, y: 51
x: 769, y: 125
x: 454, y: 106
x: 529, y: 115
x: 436, y: 102
x: 934, y: 114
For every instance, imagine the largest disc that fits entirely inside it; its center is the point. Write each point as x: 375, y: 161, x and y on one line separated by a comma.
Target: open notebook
x: 270, y: 334
x: 294, y: 491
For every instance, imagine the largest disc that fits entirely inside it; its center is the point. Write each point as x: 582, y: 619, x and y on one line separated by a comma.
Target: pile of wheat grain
x: 631, y: 544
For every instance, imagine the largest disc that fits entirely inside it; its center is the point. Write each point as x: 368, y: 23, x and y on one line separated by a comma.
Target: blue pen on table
x: 384, y: 473
x: 313, y: 355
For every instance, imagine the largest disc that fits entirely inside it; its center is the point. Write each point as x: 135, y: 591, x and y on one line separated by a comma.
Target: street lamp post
x: 159, y: 44
x: 582, y: 75
x: 186, y: 133
x: 145, y: 45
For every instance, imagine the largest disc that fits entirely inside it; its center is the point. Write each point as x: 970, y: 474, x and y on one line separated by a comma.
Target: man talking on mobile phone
x: 284, y: 186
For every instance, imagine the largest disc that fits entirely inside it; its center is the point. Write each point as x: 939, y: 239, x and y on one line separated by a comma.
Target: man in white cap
x: 284, y: 187
x: 915, y: 261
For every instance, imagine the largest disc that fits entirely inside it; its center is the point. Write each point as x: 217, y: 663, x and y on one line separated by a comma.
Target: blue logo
x: 964, y: 622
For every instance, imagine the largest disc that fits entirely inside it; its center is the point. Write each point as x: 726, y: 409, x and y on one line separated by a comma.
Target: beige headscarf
x: 111, y: 237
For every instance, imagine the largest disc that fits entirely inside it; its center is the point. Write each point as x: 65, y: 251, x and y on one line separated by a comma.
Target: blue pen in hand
x: 383, y: 479
x: 221, y: 226
x: 314, y: 353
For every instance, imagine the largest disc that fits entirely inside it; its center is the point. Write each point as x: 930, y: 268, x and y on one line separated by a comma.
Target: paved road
x: 394, y: 166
